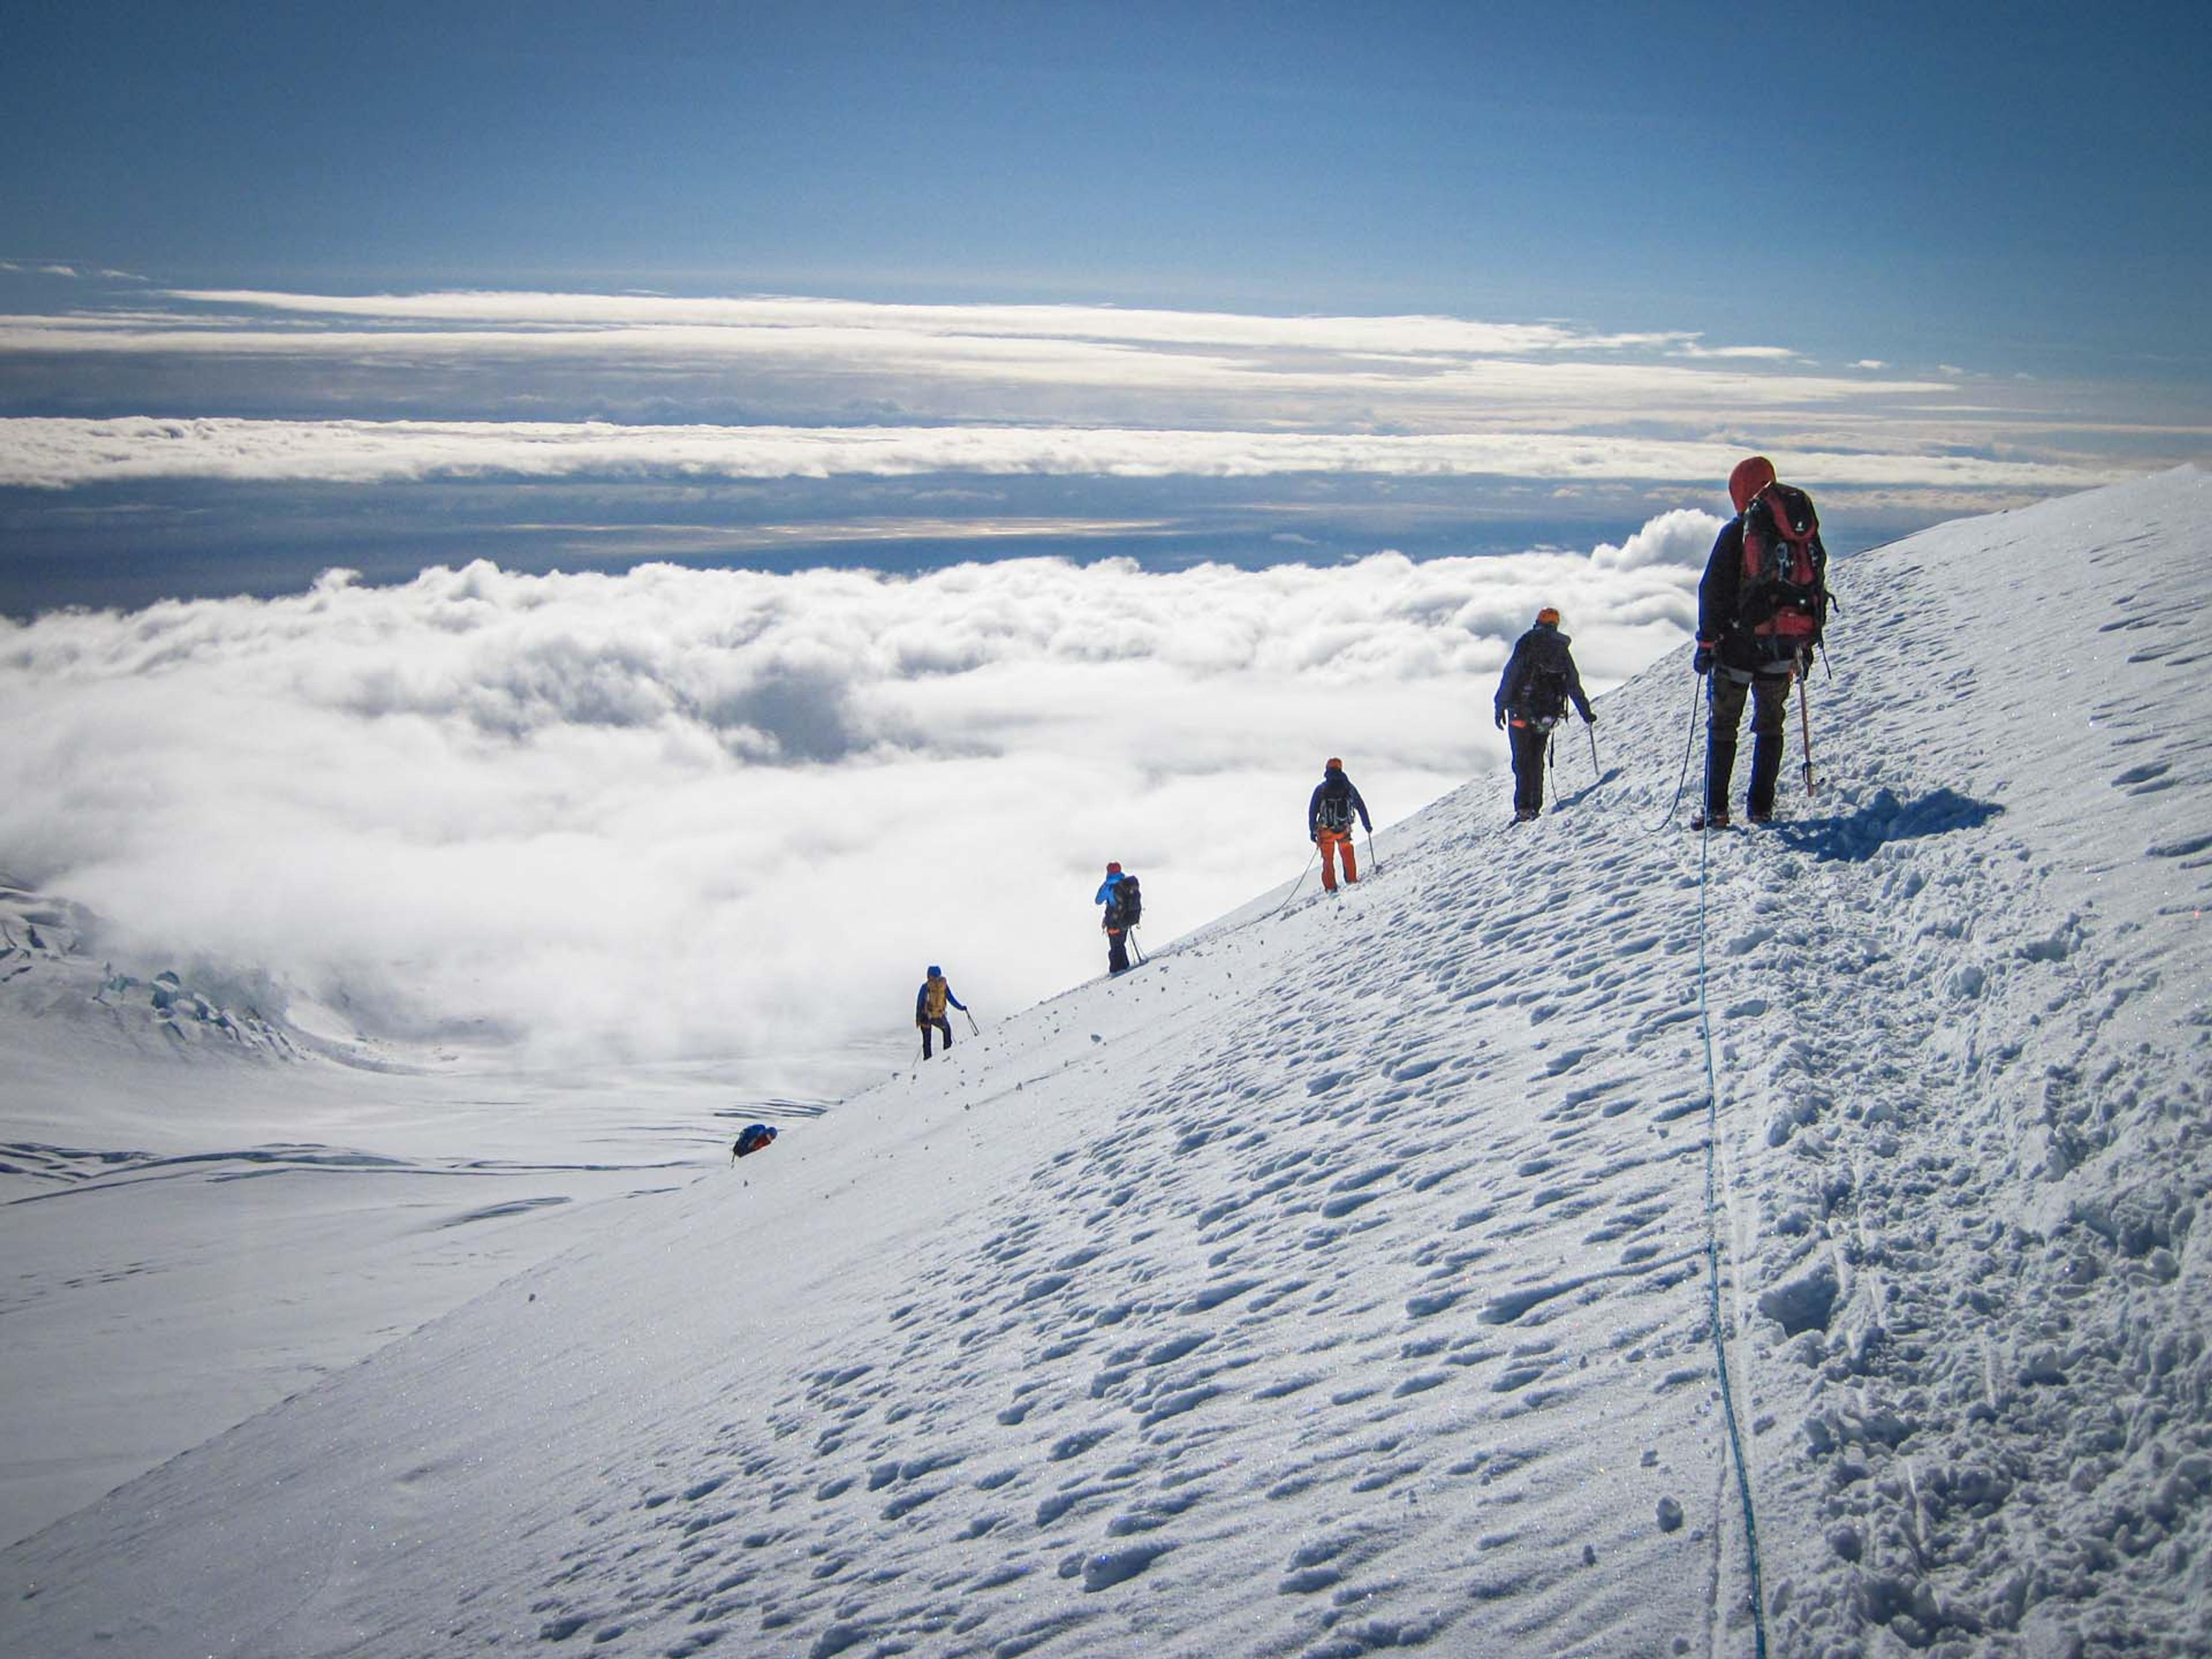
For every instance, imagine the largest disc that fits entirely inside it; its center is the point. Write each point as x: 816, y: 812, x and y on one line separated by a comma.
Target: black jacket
x: 1334, y: 785
x: 1541, y: 652
x: 1717, y: 589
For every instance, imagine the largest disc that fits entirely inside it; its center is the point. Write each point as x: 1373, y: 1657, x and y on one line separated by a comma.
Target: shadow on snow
x: 1884, y: 819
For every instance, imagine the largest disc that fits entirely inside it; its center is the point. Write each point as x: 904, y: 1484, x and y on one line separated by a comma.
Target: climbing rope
x: 1713, y: 1257
x: 1689, y: 745
x: 1301, y: 881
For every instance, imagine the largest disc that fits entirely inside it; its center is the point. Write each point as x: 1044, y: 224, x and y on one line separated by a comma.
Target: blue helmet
x: 934, y: 970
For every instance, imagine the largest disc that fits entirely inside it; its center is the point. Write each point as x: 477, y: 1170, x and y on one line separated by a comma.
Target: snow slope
x: 1342, y: 1279
x: 203, y: 1210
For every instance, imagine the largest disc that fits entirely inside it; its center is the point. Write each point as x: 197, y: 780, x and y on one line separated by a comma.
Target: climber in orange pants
x: 1328, y: 822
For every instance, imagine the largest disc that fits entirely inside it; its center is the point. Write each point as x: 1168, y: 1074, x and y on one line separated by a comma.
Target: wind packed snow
x: 1342, y: 1279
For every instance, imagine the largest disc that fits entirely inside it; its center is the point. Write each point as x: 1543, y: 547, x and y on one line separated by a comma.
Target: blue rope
x: 1713, y: 1254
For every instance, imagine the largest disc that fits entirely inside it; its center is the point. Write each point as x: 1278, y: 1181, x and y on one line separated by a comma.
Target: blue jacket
x: 1108, y: 885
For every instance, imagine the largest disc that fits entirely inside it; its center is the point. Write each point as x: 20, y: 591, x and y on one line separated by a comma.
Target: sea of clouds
x: 689, y: 813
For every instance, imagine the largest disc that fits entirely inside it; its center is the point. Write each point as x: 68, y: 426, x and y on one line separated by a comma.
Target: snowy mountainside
x: 205, y: 1206
x: 1343, y: 1279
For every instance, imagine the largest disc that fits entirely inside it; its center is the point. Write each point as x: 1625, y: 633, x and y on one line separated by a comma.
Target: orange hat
x: 1549, y: 614
x: 1331, y: 764
x: 1749, y: 478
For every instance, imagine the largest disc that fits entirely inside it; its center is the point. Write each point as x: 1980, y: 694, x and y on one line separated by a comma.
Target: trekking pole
x: 972, y: 1025
x: 924, y: 1055
x: 1299, y: 883
x: 1597, y: 774
x: 1805, y: 730
x: 1138, y: 948
x: 1373, y: 863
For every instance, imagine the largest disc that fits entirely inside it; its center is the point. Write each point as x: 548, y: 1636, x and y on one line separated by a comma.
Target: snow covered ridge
x: 1339, y: 1281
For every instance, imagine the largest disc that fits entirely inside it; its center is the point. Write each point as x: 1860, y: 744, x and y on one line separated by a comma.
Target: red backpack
x: 1783, y: 595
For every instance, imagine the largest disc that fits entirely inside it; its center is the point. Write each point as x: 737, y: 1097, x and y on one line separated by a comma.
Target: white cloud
x: 695, y: 812
x: 54, y: 452
x: 787, y: 365
x: 1400, y: 335
x: 1066, y: 363
x: 1768, y: 354
x: 1682, y: 537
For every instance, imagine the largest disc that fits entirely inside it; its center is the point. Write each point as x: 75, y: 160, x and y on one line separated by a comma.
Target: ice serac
x: 1338, y: 1281
x: 50, y: 971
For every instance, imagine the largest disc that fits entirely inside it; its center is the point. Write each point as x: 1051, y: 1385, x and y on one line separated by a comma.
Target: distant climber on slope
x: 1125, y: 907
x: 929, y: 1008
x: 1328, y: 822
x: 1532, y: 698
x: 1761, y: 607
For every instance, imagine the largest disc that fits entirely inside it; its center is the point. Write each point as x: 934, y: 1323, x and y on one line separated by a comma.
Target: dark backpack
x: 1547, y: 695
x: 1784, y: 594
x: 751, y: 1139
x: 1125, y: 905
x: 1335, y: 810
x: 1543, y: 700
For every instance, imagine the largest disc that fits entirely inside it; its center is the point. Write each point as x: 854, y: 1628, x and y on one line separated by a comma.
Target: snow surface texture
x: 1338, y: 1281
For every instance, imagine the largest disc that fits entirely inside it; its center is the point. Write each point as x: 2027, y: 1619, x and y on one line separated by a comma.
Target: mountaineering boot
x: 1720, y: 766
x: 1765, y: 767
x: 1709, y: 819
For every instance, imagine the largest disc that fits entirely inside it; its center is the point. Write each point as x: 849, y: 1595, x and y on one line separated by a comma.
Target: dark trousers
x: 1118, y: 951
x: 1529, y: 744
x: 943, y: 1022
x: 1770, y: 704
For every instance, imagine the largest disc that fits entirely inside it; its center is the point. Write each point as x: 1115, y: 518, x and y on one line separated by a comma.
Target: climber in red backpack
x: 1760, y: 610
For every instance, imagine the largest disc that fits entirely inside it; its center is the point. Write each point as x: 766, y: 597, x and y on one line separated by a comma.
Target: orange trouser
x: 1331, y: 842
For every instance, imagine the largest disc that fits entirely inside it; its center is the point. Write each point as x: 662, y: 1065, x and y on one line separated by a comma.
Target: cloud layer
x: 141, y: 391
x: 57, y: 453
x: 694, y: 812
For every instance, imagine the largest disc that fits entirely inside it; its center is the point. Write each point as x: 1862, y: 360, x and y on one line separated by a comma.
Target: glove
x: 1588, y: 719
x: 1314, y: 836
x: 1702, y: 662
x: 1501, y: 719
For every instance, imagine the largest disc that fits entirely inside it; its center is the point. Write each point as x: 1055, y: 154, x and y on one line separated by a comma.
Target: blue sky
x: 1936, y: 174
x: 2002, y: 199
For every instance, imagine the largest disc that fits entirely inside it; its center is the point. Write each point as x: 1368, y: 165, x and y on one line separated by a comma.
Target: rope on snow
x: 1713, y: 1265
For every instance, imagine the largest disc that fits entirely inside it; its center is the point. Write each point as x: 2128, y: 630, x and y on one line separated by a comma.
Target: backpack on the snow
x: 1125, y: 904
x: 1784, y: 594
